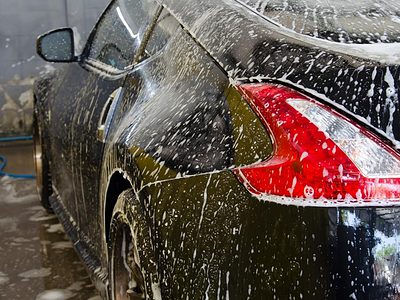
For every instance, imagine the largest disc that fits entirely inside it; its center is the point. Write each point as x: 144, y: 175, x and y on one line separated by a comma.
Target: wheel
x: 43, y: 179
x: 132, y: 268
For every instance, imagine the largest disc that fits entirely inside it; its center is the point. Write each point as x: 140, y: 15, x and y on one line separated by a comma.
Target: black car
x: 228, y: 149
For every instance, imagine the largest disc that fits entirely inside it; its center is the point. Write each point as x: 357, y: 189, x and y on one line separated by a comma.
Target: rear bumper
x: 323, y: 253
x: 214, y: 239
x: 365, y: 246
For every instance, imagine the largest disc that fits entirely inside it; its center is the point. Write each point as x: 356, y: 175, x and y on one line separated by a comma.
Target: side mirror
x: 57, y: 46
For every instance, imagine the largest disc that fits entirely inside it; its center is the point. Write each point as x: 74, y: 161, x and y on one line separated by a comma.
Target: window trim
x: 91, y: 64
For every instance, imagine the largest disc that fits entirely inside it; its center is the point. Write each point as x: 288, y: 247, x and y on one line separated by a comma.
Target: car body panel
x: 153, y: 143
x: 358, y: 79
x: 179, y: 128
x: 75, y: 150
x: 361, y: 22
x: 218, y: 242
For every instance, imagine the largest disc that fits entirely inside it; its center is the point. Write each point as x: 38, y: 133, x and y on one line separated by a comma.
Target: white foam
x: 36, y: 273
x: 56, y: 294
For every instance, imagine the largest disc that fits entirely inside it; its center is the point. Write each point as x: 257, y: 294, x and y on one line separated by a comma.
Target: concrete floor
x: 37, y: 260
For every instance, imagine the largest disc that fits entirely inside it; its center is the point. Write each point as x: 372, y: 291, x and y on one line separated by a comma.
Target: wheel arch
x: 118, y: 182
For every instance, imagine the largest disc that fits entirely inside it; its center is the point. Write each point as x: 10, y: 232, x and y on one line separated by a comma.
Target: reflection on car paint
x: 179, y: 131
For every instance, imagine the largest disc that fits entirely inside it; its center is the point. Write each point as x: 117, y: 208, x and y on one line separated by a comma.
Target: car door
x: 82, y: 104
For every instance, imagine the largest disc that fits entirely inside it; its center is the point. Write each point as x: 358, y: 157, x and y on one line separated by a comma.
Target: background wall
x: 21, y: 21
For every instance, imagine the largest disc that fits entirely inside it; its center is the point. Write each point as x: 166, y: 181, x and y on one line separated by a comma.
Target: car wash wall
x: 20, y: 23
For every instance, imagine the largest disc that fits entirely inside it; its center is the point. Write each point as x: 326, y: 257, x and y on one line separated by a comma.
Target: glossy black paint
x: 250, y: 47
x: 178, y: 129
x: 224, y: 244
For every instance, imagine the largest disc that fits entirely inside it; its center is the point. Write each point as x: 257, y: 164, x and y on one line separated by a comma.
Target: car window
x: 166, y: 27
x: 120, y: 31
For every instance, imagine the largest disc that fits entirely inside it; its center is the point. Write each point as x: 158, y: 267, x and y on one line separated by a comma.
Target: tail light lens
x: 320, y: 158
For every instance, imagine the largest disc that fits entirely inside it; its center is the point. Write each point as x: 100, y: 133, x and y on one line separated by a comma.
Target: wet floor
x: 37, y: 260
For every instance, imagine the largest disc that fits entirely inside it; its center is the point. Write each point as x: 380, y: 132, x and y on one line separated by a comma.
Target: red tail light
x: 320, y: 157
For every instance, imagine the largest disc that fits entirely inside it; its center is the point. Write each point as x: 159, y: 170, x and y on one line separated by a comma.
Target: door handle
x: 107, y: 114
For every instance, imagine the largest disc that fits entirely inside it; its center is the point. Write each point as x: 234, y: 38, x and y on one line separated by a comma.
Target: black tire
x: 129, y: 235
x: 40, y: 158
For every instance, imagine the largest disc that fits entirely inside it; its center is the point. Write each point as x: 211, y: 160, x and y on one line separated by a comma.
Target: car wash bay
x: 37, y: 261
